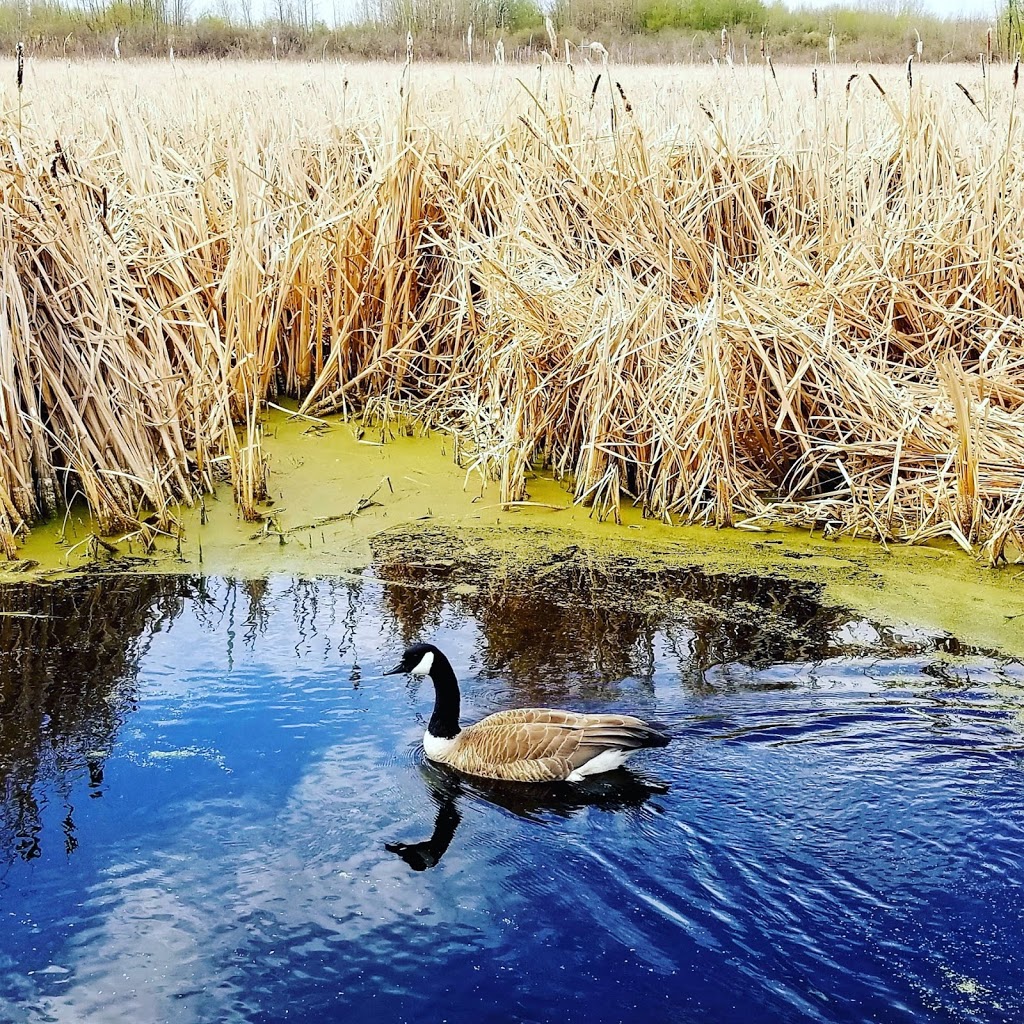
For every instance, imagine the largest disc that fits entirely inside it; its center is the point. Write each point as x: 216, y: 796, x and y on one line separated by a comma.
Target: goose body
x: 527, y: 744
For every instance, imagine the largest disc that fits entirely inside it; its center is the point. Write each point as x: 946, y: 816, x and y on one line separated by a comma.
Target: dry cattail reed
x: 625, y: 99
x: 19, y: 75
x: 970, y: 99
x: 775, y: 77
x: 739, y: 324
x: 552, y: 36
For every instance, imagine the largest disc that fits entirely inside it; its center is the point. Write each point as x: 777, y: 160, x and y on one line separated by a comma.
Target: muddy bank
x: 346, y: 497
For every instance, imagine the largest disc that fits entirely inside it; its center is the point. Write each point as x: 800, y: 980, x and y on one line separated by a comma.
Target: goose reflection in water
x: 617, y: 790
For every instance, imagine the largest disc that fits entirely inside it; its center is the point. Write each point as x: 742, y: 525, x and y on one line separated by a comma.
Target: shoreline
x: 335, y: 495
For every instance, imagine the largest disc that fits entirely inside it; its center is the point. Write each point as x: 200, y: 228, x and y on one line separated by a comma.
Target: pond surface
x: 214, y: 808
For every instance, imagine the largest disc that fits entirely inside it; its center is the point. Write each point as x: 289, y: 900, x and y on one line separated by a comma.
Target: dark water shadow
x: 69, y: 656
x: 619, y: 790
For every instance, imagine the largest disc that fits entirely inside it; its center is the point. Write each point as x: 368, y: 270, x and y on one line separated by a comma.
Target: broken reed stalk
x: 19, y: 77
x: 678, y: 315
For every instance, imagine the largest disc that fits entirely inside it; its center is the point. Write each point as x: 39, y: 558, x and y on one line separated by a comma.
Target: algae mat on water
x: 342, y: 493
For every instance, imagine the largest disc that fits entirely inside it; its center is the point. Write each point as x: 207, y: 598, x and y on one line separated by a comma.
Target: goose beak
x: 395, y: 671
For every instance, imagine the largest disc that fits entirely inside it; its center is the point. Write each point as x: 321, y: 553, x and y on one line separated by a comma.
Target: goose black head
x: 417, y: 660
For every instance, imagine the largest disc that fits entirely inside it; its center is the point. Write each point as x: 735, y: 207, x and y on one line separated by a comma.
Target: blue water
x: 216, y: 809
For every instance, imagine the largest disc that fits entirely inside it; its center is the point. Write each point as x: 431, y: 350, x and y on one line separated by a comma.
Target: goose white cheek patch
x: 425, y: 664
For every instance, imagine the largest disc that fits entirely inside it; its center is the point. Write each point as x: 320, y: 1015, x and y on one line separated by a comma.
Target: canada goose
x: 526, y: 745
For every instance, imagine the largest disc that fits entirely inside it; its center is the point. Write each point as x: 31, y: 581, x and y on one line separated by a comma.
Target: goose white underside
x: 606, y: 761
x: 435, y: 747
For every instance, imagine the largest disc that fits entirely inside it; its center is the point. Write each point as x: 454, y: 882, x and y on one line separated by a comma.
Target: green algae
x: 336, y: 488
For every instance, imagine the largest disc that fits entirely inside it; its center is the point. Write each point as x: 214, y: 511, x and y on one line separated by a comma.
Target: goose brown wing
x: 538, y: 744
x: 497, y: 740
x: 532, y: 716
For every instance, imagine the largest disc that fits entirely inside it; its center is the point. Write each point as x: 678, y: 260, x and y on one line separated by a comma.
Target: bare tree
x: 179, y: 12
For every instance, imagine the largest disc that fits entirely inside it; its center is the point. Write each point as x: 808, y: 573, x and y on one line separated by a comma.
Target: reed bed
x: 731, y: 296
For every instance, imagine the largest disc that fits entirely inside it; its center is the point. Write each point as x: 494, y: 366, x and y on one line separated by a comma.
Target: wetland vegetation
x: 299, y: 364
x: 732, y: 296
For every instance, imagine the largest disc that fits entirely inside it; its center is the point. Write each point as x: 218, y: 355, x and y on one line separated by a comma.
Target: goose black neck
x: 444, y: 722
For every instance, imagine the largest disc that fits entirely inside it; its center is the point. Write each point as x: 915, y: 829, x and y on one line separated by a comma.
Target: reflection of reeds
x: 68, y: 656
x: 717, y: 322
x: 564, y: 620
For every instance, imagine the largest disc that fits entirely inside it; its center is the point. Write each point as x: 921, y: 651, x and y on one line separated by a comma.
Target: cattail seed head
x: 963, y: 89
x: 625, y: 99
x: 21, y: 65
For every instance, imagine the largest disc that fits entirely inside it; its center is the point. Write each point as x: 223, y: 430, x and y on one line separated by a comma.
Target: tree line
x: 630, y: 30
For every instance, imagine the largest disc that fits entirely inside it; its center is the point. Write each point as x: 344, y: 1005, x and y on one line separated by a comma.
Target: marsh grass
x: 730, y: 296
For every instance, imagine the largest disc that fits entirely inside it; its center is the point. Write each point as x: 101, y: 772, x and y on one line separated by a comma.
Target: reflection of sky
x: 235, y: 861
x: 164, y: 931
x: 173, y: 947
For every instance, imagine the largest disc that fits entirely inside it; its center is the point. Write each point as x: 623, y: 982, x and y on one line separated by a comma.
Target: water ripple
x: 236, y: 821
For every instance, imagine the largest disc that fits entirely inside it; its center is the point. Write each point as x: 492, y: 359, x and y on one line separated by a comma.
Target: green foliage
x: 216, y: 37
x: 699, y: 15
x: 516, y: 15
x: 1011, y: 24
x: 659, y: 14
x: 872, y: 33
x: 851, y: 24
